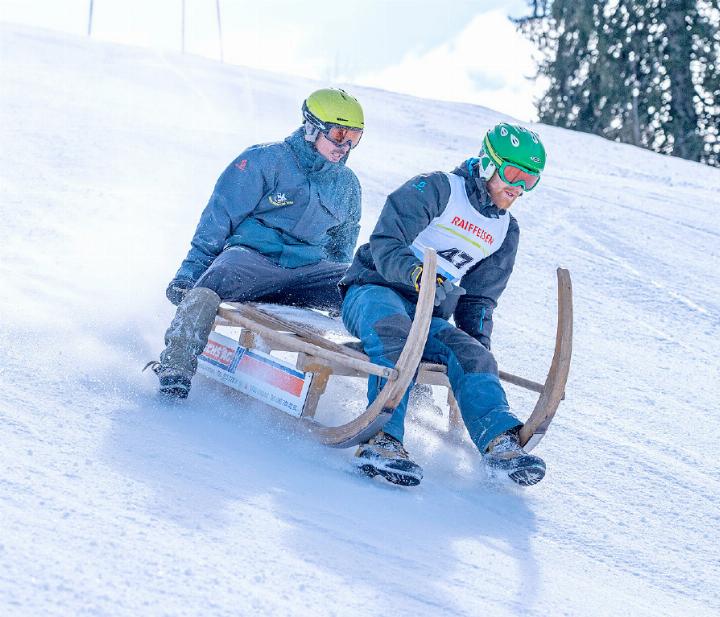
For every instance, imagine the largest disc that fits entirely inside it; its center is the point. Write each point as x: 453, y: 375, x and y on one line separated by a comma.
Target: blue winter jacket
x: 283, y: 200
x: 387, y: 259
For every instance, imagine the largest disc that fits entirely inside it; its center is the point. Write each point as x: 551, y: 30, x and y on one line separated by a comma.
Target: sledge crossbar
x: 509, y: 377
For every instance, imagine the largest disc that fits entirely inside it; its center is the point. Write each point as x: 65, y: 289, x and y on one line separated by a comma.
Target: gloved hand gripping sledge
x: 444, y: 288
x: 177, y: 289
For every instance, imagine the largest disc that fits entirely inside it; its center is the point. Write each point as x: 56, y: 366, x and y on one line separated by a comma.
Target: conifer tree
x: 644, y: 73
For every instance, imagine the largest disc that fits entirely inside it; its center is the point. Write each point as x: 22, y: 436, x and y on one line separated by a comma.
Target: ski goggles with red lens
x: 514, y: 175
x: 341, y: 135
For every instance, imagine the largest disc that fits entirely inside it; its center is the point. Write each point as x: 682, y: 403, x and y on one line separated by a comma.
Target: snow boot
x: 185, y: 340
x: 385, y: 456
x: 505, y: 454
x: 172, y: 383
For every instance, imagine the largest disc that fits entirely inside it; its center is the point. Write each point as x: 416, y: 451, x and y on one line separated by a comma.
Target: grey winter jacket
x: 388, y: 260
x: 283, y: 200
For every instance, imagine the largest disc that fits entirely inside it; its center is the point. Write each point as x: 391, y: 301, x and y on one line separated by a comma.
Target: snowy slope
x: 112, y: 503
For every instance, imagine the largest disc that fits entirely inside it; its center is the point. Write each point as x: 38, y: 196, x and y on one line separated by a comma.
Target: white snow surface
x: 114, y: 503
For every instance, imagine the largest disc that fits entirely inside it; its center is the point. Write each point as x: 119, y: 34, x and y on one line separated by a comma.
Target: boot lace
x: 505, y: 445
x: 153, y: 365
x: 390, y: 444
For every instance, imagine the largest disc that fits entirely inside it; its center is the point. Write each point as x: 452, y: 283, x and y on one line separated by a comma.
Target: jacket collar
x: 476, y: 189
x: 309, y: 159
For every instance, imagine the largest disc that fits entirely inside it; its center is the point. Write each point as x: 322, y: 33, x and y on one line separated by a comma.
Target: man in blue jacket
x: 280, y: 226
x: 464, y: 216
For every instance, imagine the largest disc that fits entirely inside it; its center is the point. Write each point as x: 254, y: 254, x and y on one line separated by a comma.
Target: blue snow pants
x: 241, y: 274
x: 381, y: 319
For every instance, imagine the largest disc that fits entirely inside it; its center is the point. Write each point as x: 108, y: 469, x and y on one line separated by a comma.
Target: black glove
x: 444, y: 288
x: 177, y: 289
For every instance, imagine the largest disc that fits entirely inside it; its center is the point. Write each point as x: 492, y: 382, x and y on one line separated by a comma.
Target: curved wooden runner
x: 379, y: 412
x: 554, y: 390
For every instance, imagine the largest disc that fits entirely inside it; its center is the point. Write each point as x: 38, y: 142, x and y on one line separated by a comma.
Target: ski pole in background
x: 222, y: 55
x: 182, y: 29
x: 90, y: 16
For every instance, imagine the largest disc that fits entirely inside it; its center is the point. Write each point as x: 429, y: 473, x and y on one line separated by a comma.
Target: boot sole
x: 527, y: 476
x: 526, y: 471
x: 175, y: 392
x: 391, y: 476
x: 176, y: 387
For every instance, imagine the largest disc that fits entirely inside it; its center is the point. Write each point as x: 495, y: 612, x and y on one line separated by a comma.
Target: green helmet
x: 329, y: 106
x: 511, y: 143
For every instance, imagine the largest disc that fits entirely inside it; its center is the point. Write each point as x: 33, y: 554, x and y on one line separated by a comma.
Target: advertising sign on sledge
x: 255, y: 373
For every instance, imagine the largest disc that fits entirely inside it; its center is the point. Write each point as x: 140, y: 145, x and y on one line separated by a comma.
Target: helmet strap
x: 311, y: 132
x: 485, y: 165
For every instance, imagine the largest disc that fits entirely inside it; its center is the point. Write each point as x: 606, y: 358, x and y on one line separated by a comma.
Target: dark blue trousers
x: 240, y: 274
x: 381, y: 319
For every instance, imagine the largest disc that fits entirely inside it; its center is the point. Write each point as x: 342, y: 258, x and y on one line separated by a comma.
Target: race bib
x: 461, y: 236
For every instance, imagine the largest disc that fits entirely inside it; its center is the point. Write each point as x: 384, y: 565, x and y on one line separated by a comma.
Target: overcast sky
x: 457, y: 50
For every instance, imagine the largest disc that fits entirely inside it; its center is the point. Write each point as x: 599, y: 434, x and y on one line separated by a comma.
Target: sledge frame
x: 325, y: 358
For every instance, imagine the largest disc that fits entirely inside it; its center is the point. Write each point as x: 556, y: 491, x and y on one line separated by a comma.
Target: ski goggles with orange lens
x: 341, y: 135
x: 514, y: 175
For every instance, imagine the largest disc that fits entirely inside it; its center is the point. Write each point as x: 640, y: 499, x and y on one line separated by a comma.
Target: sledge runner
x: 464, y: 216
x: 280, y: 226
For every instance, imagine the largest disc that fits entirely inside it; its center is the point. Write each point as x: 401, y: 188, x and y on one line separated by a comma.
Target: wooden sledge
x: 324, y: 358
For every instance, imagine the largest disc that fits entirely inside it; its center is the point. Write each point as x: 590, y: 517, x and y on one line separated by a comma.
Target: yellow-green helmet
x: 333, y: 106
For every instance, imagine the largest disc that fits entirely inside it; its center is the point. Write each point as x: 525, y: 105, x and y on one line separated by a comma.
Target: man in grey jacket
x: 280, y: 226
x: 464, y: 216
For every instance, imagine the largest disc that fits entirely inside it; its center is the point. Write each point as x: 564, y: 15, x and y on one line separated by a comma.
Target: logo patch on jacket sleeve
x: 280, y: 199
